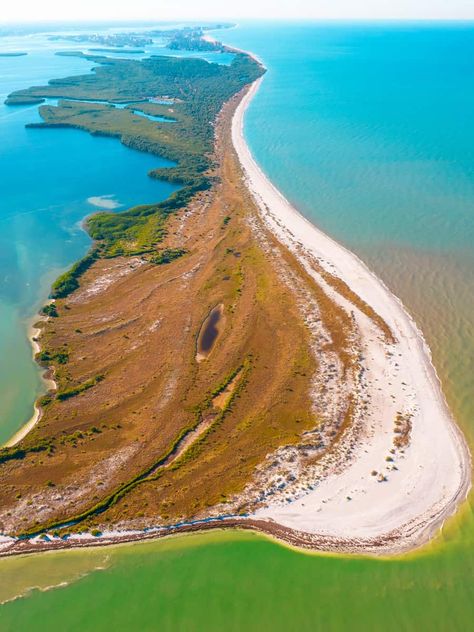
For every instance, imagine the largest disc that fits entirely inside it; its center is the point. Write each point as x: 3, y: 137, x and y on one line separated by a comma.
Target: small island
x: 13, y: 54
x: 128, y: 51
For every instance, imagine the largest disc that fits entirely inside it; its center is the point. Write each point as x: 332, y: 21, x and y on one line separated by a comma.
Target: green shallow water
x: 237, y: 581
x: 380, y: 155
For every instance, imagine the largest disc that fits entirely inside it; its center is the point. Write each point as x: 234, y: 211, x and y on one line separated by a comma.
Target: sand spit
x: 381, y: 496
x: 384, y: 499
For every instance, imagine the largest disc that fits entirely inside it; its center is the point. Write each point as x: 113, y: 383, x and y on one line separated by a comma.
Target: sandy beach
x: 414, y: 489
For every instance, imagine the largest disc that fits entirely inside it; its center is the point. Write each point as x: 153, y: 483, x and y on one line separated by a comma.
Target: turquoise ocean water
x: 368, y: 130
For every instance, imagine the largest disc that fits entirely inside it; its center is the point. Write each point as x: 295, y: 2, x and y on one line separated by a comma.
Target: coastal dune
x: 380, y: 499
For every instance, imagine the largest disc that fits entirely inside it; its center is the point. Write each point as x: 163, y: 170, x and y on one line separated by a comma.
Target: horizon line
x: 233, y: 21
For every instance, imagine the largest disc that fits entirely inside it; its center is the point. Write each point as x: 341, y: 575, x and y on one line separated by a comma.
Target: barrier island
x: 216, y: 360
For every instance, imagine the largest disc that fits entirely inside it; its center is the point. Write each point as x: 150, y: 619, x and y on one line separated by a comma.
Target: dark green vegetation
x: 69, y: 281
x: 46, y: 358
x: 197, y: 89
x: 129, y: 51
x: 24, y: 100
x: 167, y: 256
x: 50, y: 310
x: 76, y: 390
x: 193, y: 39
x: 16, y: 453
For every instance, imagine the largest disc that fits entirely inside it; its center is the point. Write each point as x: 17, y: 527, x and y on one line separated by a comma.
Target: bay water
x: 50, y: 180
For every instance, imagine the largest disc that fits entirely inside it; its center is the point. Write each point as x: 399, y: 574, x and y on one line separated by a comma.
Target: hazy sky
x: 156, y: 10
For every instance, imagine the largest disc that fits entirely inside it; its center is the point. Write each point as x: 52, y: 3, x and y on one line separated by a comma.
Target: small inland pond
x: 209, y: 332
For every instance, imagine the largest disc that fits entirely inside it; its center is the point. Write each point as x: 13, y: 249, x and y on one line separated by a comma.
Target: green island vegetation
x: 26, y: 100
x: 50, y: 310
x: 112, y: 374
x: 193, y: 92
x: 18, y: 453
x: 181, y: 38
x: 46, y: 357
x: 69, y: 281
x: 107, y: 39
x: 129, y: 51
x: 197, y: 91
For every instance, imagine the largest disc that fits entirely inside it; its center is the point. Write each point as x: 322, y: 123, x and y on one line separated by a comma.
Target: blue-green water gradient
x: 48, y: 178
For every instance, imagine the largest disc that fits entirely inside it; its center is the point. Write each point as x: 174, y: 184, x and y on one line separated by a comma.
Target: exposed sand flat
x: 351, y: 507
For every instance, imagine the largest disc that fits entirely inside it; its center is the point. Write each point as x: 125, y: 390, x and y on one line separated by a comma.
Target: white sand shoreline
x: 434, y: 475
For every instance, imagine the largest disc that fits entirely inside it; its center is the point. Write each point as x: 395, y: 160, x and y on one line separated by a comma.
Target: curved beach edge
x: 408, y: 522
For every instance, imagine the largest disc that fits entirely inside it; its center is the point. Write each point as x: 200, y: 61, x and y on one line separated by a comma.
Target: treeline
x: 69, y: 281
